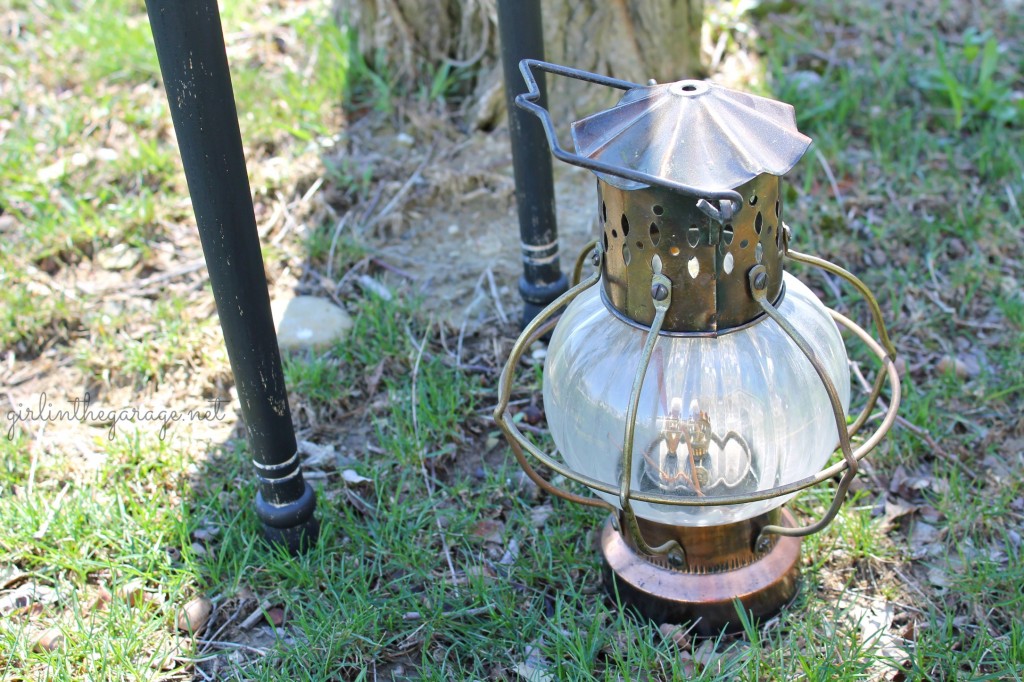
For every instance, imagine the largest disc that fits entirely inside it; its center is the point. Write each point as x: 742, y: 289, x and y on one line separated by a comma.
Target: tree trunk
x: 412, y: 40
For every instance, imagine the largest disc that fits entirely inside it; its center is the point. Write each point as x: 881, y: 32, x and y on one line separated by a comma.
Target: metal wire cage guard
x: 627, y: 492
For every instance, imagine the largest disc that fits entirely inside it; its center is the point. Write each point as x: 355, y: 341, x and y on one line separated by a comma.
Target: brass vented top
x: 694, y: 133
x: 706, y: 261
x: 712, y: 140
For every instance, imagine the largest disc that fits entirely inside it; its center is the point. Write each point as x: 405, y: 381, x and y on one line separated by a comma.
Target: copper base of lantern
x: 721, y: 565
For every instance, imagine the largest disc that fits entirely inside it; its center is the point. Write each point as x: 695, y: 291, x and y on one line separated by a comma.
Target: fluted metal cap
x: 692, y: 132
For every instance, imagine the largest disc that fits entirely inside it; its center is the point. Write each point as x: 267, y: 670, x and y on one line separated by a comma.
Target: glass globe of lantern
x: 740, y: 413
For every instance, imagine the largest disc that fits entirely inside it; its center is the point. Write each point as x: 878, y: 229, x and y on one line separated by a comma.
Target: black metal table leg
x: 522, y: 37
x: 190, y: 47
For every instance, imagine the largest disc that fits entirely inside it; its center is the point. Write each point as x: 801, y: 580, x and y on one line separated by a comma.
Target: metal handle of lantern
x: 581, y: 261
x: 876, y: 315
x: 729, y: 201
x: 886, y: 352
x: 661, y: 293
x: 538, y: 327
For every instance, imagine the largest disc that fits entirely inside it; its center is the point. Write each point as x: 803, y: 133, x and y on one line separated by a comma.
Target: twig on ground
x: 372, y: 204
x: 921, y: 433
x: 490, y: 408
x: 39, y: 534
x: 1013, y: 202
x: 464, y: 613
x: 831, y: 179
x: 402, y: 191
x: 391, y: 268
x: 256, y: 615
x: 210, y: 643
x: 134, y: 285
x: 199, y: 670
x: 290, y: 220
x: 229, y: 621
x: 532, y: 429
x: 419, y: 449
x: 465, y: 318
x: 360, y: 265
x: 334, y: 243
x: 911, y: 584
x: 494, y: 294
x: 870, y: 597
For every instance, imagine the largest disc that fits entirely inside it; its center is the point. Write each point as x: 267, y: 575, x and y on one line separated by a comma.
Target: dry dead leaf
x: 373, y: 380
x: 132, y: 593
x: 908, y: 485
x: 540, y: 515
x: 374, y: 286
x: 275, y: 616
x: 511, y: 553
x: 705, y: 655
x: 481, y: 571
x: 206, y: 534
x: 49, y: 640
x: 491, y: 530
x: 101, y: 600
x: 193, y: 616
x: 25, y: 596
x: 948, y: 363
x: 675, y: 634
x: 895, y: 511
x: 350, y: 476
x: 937, y: 577
x: 10, y: 576
x: 873, y: 621
x: 532, y: 415
x: 925, y: 541
x: 533, y: 667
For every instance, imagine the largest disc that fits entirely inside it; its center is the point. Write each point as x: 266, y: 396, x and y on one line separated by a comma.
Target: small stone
x: 193, y: 616
x: 309, y: 322
x: 118, y: 257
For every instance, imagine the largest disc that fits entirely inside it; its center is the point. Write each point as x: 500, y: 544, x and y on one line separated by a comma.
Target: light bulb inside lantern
x: 740, y: 413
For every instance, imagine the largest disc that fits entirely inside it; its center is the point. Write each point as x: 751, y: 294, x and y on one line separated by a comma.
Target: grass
x: 445, y: 564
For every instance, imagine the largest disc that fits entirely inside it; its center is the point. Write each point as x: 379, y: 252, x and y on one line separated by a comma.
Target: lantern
x: 691, y: 383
